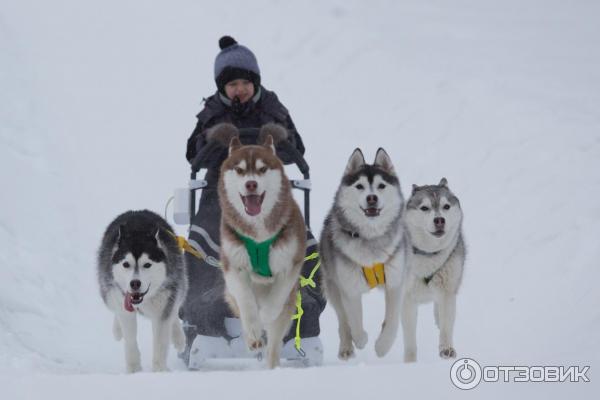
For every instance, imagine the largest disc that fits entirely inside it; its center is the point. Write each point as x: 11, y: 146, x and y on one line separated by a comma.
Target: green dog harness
x: 259, y: 253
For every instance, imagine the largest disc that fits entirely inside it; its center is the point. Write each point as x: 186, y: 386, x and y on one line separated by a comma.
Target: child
x: 240, y: 99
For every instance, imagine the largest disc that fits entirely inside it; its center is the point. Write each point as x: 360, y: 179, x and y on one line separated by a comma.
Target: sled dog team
x: 371, y: 237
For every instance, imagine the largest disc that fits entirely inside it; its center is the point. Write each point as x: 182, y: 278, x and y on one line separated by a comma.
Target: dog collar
x: 353, y: 235
x: 259, y: 253
x: 420, y: 252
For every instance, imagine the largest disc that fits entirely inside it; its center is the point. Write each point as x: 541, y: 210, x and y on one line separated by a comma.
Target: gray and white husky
x: 141, y: 271
x: 363, y: 232
x: 435, y: 260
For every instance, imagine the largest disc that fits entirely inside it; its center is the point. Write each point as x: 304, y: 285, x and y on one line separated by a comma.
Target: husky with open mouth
x: 362, y: 247
x: 141, y: 271
x: 263, y: 241
x: 436, y: 255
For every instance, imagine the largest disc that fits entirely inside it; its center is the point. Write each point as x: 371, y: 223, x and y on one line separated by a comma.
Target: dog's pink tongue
x: 127, y: 303
x: 252, y: 204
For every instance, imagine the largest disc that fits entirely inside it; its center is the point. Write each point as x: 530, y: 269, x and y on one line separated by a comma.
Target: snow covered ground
x: 501, y: 97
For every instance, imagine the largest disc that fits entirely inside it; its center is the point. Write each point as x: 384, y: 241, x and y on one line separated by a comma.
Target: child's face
x: 240, y: 88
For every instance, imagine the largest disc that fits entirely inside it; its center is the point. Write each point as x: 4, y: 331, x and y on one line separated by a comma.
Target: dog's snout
x: 439, y: 222
x: 251, y: 186
x: 372, y: 200
x: 135, y: 284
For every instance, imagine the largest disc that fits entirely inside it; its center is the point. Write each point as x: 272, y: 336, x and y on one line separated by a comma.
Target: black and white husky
x: 363, y: 246
x: 435, y: 259
x: 141, y: 271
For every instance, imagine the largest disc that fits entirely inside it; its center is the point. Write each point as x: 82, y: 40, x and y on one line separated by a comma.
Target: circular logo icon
x: 465, y: 373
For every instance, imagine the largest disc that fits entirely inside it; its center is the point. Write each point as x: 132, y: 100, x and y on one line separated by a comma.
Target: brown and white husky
x: 263, y: 241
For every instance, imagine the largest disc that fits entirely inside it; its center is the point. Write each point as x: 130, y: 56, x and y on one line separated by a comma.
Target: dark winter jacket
x: 267, y: 109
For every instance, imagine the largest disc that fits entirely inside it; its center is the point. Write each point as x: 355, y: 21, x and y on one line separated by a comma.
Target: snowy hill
x: 502, y: 98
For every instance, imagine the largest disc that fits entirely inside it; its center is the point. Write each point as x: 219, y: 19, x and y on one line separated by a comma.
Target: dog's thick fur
x: 436, y: 255
x: 261, y: 302
x: 141, y: 271
x: 361, y: 230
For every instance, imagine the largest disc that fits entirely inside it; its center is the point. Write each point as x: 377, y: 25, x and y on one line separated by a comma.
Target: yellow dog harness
x: 375, y: 275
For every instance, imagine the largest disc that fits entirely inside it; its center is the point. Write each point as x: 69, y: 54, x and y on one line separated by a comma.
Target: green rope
x: 304, y: 282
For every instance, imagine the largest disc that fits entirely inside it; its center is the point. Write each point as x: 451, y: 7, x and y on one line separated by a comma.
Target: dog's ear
x: 278, y: 132
x: 268, y: 143
x: 383, y: 161
x: 443, y: 183
x: 121, y: 233
x: 356, y: 161
x: 159, y: 240
x: 222, y: 133
x: 234, y: 144
x: 415, y: 188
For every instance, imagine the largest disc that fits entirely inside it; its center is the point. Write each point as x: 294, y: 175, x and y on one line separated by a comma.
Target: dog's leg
x: 408, y: 315
x: 276, y: 330
x: 246, y: 303
x: 389, y: 328
x: 272, y: 304
x: 447, y: 312
x: 436, y: 314
x: 117, y: 332
x: 128, y: 323
x: 161, y: 330
x: 353, y: 307
x: 177, y: 335
x: 346, y: 350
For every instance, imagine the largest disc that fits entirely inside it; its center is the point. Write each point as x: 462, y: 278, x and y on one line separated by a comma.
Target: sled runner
x: 211, y: 329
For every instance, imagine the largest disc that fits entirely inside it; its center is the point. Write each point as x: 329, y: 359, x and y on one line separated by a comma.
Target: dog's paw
x: 360, y: 340
x: 133, y: 367
x: 179, y: 343
x: 255, y: 344
x: 254, y: 338
x: 178, y: 338
x: 346, y: 352
x: 159, y: 367
x: 383, y: 345
x: 410, y: 356
x: 448, y: 352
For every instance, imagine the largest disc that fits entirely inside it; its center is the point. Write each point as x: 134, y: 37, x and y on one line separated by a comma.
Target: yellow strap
x: 374, y: 275
x: 184, y: 245
x: 304, y: 282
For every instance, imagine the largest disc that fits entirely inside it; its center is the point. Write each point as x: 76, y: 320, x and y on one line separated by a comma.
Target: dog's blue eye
x: 424, y: 208
x: 447, y: 207
x: 147, y: 265
x: 381, y: 186
x: 125, y: 264
x: 360, y: 187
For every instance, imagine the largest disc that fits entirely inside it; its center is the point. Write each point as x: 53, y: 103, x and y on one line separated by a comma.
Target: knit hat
x: 235, y: 61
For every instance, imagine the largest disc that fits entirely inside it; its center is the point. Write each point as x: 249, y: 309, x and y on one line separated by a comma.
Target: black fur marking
x: 137, y: 242
x: 370, y: 171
